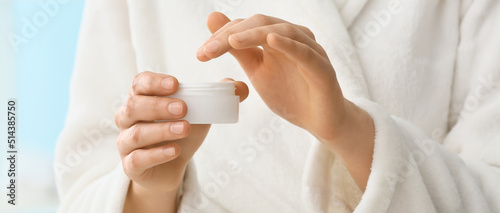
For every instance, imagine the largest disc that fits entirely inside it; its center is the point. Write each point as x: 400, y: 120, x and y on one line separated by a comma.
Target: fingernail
x: 175, y: 108
x: 169, y: 151
x: 177, y: 128
x: 167, y: 83
x: 213, y: 46
x: 240, y: 37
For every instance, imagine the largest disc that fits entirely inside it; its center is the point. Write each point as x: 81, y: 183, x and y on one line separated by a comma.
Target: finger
x: 217, y: 20
x: 217, y: 23
x: 304, y: 55
x: 150, y: 83
x: 307, y: 31
x: 218, y: 44
x: 139, y: 160
x: 258, y: 37
x: 149, y: 108
x: 241, y: 88
x: 142, y: 135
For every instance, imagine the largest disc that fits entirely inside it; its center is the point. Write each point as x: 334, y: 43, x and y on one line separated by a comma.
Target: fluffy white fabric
x: 426, y: 71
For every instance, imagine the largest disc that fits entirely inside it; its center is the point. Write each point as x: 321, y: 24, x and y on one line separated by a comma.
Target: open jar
x: 209, y: 103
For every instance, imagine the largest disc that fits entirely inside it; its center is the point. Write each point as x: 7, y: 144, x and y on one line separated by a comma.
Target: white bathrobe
x: 426, y: 71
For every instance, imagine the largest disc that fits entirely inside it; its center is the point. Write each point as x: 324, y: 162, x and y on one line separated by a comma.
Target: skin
x: 279, y: 58
x: 155, y: 154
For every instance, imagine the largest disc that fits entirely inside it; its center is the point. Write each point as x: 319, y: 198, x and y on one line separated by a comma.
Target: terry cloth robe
x: 426, y: 71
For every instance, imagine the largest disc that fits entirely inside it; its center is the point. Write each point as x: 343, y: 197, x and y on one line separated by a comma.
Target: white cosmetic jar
x: 209, y: 103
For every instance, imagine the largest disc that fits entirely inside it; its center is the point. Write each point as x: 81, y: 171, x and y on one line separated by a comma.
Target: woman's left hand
x: 291, y: 72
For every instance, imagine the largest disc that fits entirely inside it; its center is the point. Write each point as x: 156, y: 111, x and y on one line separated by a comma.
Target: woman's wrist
x: 140, y: 199
x: 357, y: 129
x: 160, y: 198
x: 353, y: 142
x: 340, y: 131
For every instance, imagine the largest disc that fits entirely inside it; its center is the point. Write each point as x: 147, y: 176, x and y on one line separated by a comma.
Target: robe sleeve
x: 88, y: 169
x: 413, y: 171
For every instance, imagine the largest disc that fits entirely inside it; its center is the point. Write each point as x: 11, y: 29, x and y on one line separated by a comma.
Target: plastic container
x: 209, y: 103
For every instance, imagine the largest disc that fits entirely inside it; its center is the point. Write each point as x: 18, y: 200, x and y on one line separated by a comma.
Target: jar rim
x: 207, y: 85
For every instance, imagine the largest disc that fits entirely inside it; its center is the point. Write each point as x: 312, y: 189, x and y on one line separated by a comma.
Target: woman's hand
x: 155, y: 154
x: 293, y: 75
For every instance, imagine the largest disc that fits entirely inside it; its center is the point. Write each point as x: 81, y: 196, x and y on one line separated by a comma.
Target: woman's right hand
x: 155, y: 154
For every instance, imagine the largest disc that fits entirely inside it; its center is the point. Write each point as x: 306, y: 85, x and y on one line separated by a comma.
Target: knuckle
x: 118, y: 117
x: 290, y: 29
x: 128, y: 107
x: 135, y: 85
x: 148, y: 82
x: 307, y: 31
x: 310, y: 55
x: 121, y: 114
x: 119, y: 142
x: 134, y: 135
x: 138, y: 79
x: 130, y: 162
x: 262, y: 19
x: 145, y: 80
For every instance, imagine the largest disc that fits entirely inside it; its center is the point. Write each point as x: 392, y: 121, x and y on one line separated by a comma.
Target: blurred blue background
x: 43, y: 67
